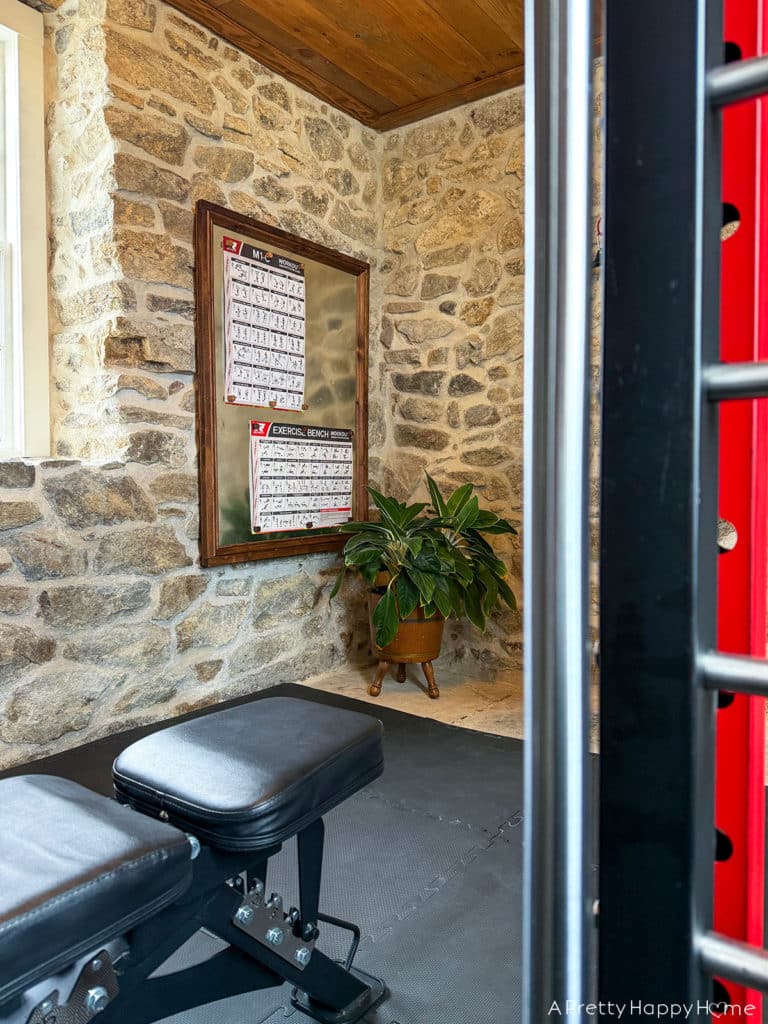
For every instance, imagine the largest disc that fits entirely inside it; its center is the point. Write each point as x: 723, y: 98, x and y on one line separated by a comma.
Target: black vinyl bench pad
x: 251, y: 777
x: 76, y: 869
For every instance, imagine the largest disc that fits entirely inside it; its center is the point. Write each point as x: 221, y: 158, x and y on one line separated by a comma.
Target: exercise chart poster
x: 264, y: 327
x: 301, y: 476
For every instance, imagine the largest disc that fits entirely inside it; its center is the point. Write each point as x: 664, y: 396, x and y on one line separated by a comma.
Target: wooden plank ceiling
x: 385, y: 62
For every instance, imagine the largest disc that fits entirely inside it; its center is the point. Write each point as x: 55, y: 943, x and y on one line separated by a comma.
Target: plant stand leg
x: 400, y: 672
x: 429, y: 675
x: 375, y: 688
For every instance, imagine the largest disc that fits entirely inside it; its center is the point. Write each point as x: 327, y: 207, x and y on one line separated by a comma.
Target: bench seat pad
x: 76, y: 870
x: 252, y: 776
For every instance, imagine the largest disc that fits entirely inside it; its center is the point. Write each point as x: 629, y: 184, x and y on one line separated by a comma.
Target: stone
x: 511, y: 234
x: 271, y: 189
x: 485, y: 456
x: 418, y: 331
x: 155, y: 135
x: 484, y: 277
x: 446, y: 257
x: 145, y: 386
x: 429, y: 137
x: 89, y: 497
x: 136, y: 697
x: 15, y: 473
x: 358, y: 226
x: 149, y: 257
x: 233, y: 96
x: 259, y: 650
x: 403, y: 281
x: 145, y: 67
x: 137, y: 647
x: 133, y: 13
x: 513, y: 294
x: 89, y: 304
x: 481, y: 416
x: 425, y: 382
x: 203, y: 125
x: 470, y: 216
x: 177, y: 593
x: 174, y: 487
x: 21, y: 647
x: 47, y: 554
x: 190, y: 27
x: 129, y: 213
x: 91, y: 605
x: 18, y: 513
x: 14, y: 600
x: 500, y: 114
x: 211, y: 625
x: 463, y: 384
x: 191, y: 55
x: 146, y: 414
x: 165, y: 108
x: 234, y: 125
x: 437, y: 357
x: 397, y: 176
x: 314, y: 200
x: 323, y: 139
x: 152, y: 446
x: 449, y: 308
x: 225, y: 163
x: 208, y: 670
x: 133, y: 174
x: 506, y: 334
x: 342, y: 181
x: 177, y: 220
x: 476, y: 311
x: 420, y: 410
x: 276, y: 93
x: 435, y: 285
x: 284, y: 600
x: 53, y: 704
x: 417, y: 437
x: 171, y: 304
x: 234, y: 587
x: 164, y: 348
x: 151, y: 550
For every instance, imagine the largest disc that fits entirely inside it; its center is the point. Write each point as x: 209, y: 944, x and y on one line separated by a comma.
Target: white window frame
x: 24, y: 345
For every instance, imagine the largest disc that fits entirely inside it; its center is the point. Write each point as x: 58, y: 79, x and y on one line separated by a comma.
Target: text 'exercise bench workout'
x: 95, y: 897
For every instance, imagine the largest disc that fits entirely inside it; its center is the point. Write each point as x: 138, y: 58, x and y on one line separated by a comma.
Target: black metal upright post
x: 657, y: 562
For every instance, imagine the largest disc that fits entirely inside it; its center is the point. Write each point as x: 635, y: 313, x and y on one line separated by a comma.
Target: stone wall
x: 106, y: 619
x: 452, y: 367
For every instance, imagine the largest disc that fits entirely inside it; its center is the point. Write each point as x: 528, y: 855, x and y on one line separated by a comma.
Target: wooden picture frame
x: 208, y: 345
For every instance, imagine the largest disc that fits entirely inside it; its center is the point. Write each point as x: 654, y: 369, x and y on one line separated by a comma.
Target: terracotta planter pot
x: 418, y: 639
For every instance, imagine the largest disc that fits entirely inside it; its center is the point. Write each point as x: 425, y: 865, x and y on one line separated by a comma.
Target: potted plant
x: 425, y: 562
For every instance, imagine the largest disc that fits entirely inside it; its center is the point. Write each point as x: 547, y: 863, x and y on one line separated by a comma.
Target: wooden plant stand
x: 429, y: 674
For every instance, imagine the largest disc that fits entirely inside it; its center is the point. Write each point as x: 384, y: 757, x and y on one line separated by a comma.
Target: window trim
x: 26, y: 209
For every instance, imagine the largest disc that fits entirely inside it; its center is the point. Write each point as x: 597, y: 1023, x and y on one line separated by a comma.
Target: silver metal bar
x: 724, y: 381
x: 738, y: 673
x: 740, y: 80
x: 557, y: 900
x: 738, y: 961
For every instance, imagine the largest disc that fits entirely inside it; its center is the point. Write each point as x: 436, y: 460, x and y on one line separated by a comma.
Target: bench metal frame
x: 330, y: 992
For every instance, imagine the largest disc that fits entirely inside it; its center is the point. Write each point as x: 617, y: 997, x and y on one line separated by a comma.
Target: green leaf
x: 459, y: 497
x: 465, y: 519
x: 473, y: 607
x: 362, y: 557
x: 429, y: 610
x: 491, y: 585
x: 389, y: 507
x: 411, y: 511
x: 339, y: 581
x: 485, y: 519
x: 385, y: 619
x: 425, y: 583
x: 442, y: 597
x: 438, y: 502
x: 501, y: 527
x: 407, y: 595
x: 506, y: 592
x: 457, y: 597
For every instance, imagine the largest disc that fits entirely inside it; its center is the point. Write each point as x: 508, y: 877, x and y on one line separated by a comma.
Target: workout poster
x: 301, y: 476
x: 264, y: 327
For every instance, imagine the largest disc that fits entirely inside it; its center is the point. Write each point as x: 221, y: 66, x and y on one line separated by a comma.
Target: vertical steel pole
x: 558, y: 836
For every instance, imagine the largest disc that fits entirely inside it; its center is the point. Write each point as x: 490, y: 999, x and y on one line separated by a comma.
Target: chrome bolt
x: 302, y: 956
x: 46, y: 1007
x: 97, y: 999
x: 259, y: 888
x: 244, y: 915
x: 96, y: 964
x: 274, y: 936
x: 194, y: 844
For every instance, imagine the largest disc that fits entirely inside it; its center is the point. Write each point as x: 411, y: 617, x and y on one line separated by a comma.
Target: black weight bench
x: 94, y: 897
